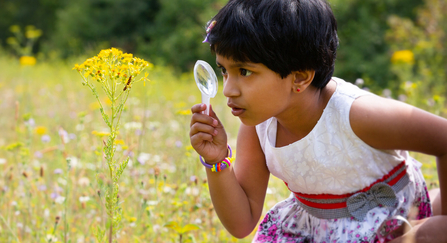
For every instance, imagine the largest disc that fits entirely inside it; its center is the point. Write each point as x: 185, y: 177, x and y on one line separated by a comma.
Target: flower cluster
x: 112, y: 67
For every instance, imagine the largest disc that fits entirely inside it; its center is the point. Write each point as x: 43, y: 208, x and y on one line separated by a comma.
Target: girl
x: 342, y: 151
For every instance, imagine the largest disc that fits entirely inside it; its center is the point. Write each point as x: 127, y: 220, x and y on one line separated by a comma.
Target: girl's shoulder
x: 348, y: 89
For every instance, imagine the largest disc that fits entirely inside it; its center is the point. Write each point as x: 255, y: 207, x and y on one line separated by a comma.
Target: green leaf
x: 189, y: 227
x: 173, y: 225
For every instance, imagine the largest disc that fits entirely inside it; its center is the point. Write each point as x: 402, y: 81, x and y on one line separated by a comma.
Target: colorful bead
x: 219, y: 166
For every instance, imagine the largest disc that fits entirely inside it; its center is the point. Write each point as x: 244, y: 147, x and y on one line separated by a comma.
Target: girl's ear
x: 302, y: 80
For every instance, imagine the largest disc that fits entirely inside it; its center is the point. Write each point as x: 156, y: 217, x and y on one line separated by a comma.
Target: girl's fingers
x: 202, y: 128
x: 198, y: 117
x: 197, y: 108
x: 200, y: 137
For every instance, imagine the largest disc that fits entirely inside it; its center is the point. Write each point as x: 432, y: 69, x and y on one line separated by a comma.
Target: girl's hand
x: 207, y: 135
x: 430, y: 230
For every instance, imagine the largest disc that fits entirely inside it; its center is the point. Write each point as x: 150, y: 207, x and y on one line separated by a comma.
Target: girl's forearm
x: 442, y: 174
x: 235, y: 210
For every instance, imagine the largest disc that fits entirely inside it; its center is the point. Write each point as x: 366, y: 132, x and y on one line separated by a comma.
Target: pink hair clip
x: 208, y: 30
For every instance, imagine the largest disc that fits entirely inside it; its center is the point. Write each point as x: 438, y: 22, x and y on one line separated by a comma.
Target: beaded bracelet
x: 219, y: 166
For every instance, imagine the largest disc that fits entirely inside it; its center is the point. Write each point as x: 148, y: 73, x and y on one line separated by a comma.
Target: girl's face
x: 254, y: 92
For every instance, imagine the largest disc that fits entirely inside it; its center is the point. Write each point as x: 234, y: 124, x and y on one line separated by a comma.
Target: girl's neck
x: 304, y: 113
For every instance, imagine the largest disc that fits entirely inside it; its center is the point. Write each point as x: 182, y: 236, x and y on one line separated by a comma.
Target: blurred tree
x: 176, y: 37
x: 362, y: 24
x: 89, y: 23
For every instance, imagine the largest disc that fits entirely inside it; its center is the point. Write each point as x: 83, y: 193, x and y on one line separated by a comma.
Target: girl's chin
x: 249, y: 122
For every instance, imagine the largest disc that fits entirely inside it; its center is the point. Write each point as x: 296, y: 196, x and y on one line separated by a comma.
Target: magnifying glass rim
x: 213, y: 77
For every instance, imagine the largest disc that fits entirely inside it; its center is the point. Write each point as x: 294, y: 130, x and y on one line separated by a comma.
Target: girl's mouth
x: 237, y: 111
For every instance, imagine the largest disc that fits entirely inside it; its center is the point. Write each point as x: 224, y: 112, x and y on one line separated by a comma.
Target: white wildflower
x: 74, y: 162
x: 51, y: 238
x: 59, y: 200
x: 143, y: 157
x: 84, y: 181
x: 133, y: 125
x: 62, y: 181
x: 359, y: 82
x: 192, y: 191
x: 79, y: 127
x: 84, y: 199
x: 152, y: 203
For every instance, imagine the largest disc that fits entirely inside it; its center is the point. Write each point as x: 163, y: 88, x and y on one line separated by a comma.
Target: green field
x: 48, y: 116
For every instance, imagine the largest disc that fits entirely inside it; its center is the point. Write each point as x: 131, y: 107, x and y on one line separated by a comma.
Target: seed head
x: 156, y: 172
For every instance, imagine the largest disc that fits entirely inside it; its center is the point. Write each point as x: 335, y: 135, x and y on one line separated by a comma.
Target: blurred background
x: 169, y: 33
x: 394, y: 48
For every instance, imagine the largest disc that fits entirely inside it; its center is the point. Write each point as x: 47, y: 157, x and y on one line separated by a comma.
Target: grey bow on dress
x: 380, y: 194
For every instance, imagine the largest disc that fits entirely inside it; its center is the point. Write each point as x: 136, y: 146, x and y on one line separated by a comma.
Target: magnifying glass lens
x: 206, y: 81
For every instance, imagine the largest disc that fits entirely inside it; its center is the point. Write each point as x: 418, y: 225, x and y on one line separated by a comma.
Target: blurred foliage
x: 39, y: 13
x: 176, y: 37
x: 90, y: 24
x: 420, y: 56
x: 170, y: 32
x: 362, y: 25
x: 23, y: 41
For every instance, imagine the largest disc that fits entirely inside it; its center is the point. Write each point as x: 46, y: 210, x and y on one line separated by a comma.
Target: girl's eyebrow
x: 238, y: 65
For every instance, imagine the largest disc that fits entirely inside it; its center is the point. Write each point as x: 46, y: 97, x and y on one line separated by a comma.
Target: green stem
x: 110, y: 162
x: 10, y: 230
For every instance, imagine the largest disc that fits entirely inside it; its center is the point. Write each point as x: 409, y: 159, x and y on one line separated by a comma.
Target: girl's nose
x: 230, y: 88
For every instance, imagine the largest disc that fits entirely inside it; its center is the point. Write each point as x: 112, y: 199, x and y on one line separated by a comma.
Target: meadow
x: 48, y: 118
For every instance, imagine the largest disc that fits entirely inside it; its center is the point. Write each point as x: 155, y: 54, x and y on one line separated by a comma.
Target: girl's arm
x: 389, y: 124
x: 237, y: 192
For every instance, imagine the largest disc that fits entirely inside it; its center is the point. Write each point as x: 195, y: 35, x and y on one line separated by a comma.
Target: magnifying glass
x: 206, y: 80
x: 392, y: 228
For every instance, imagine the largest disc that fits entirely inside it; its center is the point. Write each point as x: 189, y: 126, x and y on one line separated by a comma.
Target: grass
x: 49, y: 118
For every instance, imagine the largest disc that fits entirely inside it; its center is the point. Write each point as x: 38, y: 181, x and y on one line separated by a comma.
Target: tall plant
x: 115, y: 72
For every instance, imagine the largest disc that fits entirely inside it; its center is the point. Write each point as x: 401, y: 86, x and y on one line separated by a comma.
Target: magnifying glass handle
x: 206, y: 101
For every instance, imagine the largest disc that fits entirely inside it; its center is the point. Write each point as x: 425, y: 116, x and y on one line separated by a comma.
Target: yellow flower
x: 119, y: 141
x: 100, y: 134
x: 12, y: 41
x: 184, y: 112
x: 403, y: 56
x: 94, y: 106
x: 33, y: 33
x: 40, y: 130
x: 107, y: 101
x: 27, y: 61
x: 14, y: 28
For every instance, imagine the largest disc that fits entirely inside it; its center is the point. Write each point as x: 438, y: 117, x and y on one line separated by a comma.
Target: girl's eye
x: 245, y: 72
x: 223, y: 70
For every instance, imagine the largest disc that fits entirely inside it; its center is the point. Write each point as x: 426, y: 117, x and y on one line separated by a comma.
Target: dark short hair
x: 284, y: 35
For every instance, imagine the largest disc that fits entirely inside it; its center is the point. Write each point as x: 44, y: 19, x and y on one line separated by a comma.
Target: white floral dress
x: 332, y: 166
